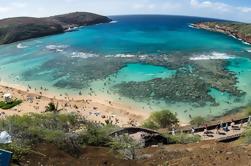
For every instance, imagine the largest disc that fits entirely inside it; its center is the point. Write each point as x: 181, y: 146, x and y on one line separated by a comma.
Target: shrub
x: 9, y: 105
x: 34, y: 128
x: 125, y: 146
x: 18, y: 150
x: 97, y: 135
x: 198, y: 120
x: 248, y: 111
x: 161, y: 119
x: 58, y: 129
x: 246, y: 136
x: 183, y: 138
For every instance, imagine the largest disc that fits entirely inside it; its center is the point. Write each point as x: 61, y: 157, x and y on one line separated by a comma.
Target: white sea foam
x: 121, y: 56
x: 212, y: 56
x: 20, y: 45
x: 248, y: 50
x: 124, y: 55
x: 57, y: 48
x: 83, y: 55
x: 246, y: 43
x: 191, y: 25
x: 113, y: 22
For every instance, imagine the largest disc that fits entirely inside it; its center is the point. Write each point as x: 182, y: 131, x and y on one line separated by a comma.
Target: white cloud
x: 219, y: 6
x: 245, y: 9
x: 18, y: 4
x: 4, y: 9
x: 12, y: 6
x: 204, y: 8
x: 144, y: 6
x: 210, y: 5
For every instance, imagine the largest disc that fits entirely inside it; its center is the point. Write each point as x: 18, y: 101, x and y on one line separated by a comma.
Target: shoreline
x: 224, y: 30
x: 97, y: 109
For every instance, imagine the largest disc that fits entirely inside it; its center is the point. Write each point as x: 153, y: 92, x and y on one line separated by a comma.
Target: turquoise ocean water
x: 22, y: 63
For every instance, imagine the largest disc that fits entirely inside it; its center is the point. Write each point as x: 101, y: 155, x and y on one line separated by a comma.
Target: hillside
x: 200, y: 154
x: 22, y: 28
x: 235, y: 29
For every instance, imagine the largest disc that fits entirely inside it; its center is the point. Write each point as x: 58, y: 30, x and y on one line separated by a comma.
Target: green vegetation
x: 8, y: 105
x: 246, y: 136
x: 18, y: 149
x: 183, y: 138
x: 198, y: 121
x: 97, y: 136
x: 71, y: 132
x: 161, y: 119
x: 52, y: 108
x: 59, y: 129
x: 248, y: 111
x: 125, y: 146
x: 34, y: 128
x: 240, y: 30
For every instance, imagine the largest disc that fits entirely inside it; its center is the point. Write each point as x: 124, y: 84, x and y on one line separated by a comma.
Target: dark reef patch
x: 192, y: 82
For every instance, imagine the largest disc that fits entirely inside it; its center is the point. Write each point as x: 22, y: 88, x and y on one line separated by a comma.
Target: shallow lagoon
x: 49, y: 60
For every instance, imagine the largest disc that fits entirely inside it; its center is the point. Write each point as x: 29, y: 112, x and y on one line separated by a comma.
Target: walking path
x: 221, y: 135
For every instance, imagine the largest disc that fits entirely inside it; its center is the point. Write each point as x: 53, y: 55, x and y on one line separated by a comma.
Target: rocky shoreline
x: 23, y: 28
x: 240, y: 31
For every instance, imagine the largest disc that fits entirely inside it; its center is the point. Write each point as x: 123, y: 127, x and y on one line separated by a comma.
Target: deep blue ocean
x: 124, y: 37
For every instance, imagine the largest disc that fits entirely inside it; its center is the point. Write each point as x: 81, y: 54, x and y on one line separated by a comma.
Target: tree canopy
x: 161, y: 119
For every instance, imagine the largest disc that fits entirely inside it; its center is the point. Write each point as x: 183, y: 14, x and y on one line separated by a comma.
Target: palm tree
x: 52, y: 108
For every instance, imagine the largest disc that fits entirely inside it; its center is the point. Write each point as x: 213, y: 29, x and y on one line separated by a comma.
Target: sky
x: 237, y: 10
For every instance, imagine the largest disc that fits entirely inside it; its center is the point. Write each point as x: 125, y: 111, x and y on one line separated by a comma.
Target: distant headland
x: 241, y: 31
x: 23, y: 28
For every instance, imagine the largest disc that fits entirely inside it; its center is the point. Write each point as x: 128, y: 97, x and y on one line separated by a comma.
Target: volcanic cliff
x: 22, y: 28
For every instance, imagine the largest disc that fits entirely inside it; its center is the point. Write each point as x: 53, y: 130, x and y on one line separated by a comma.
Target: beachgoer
x: 217, y: 129
x: 221, y: 125
x: 232, y: 124
x: 193, y: 130
x: 173, y: 131
x: 241, y: 124
x: 205, y: 131
x: 226, y: 127
x: 249, y: 119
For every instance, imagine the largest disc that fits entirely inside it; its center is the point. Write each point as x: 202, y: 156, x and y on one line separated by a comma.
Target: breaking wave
x: 246, y: 43
x: 57, y: 48
x: 213, y: 56
x: 83, y: 55
x: 123, y: 56
x: 113, y: 22
x: 20, y: 45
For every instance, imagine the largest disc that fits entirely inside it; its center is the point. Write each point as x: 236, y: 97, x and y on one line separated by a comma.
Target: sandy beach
x: 94, y: 108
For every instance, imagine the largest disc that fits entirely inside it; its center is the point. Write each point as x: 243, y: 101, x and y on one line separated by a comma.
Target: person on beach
x: 226, y: 128
x: 241, y: 124
x: 232, y: 124
x: 249, y: 119
x: 205, y: 131
x: 221, y: 124
x: 217, y: 129
x: 173, y: 131
x: 193, y: 130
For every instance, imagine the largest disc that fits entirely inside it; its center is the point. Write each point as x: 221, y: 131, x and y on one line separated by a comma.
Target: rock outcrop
x: 237, y: 30
x: 23, y: 28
